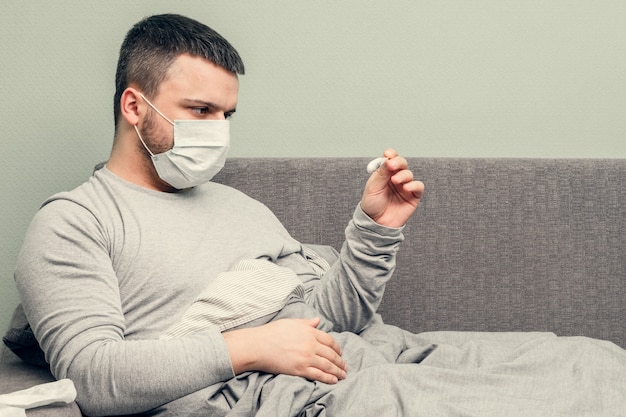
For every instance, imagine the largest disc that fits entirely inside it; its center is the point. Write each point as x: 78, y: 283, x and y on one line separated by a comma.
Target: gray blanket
x: 395, y: 373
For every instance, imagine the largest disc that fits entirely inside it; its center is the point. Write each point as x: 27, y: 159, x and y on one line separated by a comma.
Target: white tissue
x: 15, y: 403
x: 6, y: 411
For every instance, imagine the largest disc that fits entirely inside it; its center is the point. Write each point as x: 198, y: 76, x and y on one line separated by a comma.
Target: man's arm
x: 350, y: 293
x: 71, y: 297
x: 295, y: 347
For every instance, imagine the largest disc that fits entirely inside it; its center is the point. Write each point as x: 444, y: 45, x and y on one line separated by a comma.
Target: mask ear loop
x: 155, y: 109
x: 141, y: 140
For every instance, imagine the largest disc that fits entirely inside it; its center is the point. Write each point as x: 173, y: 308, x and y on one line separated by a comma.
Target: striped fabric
x: 319, y: 264
x: 253, y: 289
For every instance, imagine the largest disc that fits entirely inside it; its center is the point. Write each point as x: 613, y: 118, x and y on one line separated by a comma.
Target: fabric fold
x: 253, y: 289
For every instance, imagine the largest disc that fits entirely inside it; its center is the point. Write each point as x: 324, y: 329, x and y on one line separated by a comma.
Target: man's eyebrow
x: 194, y: 101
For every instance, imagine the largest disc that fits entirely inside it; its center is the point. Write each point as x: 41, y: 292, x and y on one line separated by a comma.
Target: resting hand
x: 288, y: 346
x: 391, y: 194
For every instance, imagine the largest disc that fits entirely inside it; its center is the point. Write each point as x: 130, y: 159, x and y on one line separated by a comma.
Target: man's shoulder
x: 105, y: 195
x: 84, y: 194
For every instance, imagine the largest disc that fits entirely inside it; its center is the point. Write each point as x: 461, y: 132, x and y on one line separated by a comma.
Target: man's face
x: 195, y: 89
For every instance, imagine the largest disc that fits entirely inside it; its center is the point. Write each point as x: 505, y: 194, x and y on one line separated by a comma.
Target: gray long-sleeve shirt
x: 107, y: 267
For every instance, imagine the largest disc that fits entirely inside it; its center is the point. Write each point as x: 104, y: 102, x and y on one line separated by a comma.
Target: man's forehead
x: 186, y: 64
x: 198, y: 78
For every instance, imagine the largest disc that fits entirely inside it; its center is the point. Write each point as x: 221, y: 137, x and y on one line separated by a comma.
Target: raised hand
x: 391, y: 194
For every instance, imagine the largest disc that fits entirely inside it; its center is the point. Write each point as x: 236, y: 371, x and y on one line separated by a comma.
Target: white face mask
x: 199, y: 151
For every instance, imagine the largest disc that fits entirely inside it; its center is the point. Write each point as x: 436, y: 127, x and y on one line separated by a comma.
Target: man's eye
x: 200, y: 110
x: 229, y: 114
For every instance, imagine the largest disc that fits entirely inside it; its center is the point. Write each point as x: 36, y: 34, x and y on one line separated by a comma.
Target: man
x: 159, y: 292
x: 109, y: 267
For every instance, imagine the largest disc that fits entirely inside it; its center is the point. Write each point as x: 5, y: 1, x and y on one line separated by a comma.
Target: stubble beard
x: 154, y: 137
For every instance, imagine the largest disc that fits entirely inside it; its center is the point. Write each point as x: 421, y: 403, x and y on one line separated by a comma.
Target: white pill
x: 375, y: 164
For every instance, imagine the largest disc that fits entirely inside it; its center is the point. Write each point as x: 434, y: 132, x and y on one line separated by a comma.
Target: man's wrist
x: 243, y: 355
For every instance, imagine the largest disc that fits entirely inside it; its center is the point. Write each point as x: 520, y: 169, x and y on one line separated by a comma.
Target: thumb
x: 379, y: 178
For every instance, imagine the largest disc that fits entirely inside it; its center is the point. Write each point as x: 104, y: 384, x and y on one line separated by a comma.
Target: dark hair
x: 154, y: 43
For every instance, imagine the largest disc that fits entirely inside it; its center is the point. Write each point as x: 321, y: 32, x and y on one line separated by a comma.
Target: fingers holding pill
x: 376, y: 163
x: 391, y: 197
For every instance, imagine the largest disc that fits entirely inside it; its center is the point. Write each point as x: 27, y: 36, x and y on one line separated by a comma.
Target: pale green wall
x: 523, y: 78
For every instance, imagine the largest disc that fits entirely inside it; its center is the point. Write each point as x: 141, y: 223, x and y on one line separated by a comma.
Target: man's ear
x: 131, y: 106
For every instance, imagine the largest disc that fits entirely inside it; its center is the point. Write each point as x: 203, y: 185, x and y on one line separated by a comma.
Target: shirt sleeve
x: 349, y: 294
